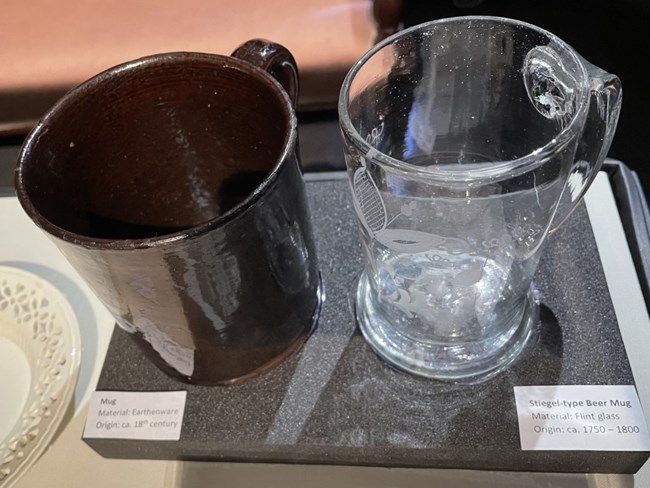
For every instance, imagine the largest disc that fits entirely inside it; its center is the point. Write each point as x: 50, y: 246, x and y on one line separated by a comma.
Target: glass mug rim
x: 65, y: 105
x: 526, y: 162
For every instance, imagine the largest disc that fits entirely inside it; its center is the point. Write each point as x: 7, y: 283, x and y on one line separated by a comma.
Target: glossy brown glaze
x: 275, y: 59
x: 172, y: 185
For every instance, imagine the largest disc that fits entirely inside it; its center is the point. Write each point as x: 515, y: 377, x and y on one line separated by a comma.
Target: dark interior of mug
x: 155, y: 147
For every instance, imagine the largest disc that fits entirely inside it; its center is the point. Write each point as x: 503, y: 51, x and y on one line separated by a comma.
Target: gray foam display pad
x: 336, y: 402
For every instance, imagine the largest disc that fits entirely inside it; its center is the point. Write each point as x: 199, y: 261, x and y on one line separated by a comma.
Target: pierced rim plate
x: 39, y: 363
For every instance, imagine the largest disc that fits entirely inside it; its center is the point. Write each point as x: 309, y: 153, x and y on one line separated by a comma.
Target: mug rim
x: 66, y: 103
x: 527, y: 161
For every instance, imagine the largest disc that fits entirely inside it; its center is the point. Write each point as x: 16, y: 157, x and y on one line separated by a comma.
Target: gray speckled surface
x: 335, y: 402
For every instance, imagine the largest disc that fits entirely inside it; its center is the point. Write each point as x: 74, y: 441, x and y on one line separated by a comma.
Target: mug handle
x: 595, y: 140
x: 275, y: 59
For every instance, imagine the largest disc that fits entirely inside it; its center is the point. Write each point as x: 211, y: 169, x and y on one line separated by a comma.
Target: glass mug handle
x: 275, y: 59
x: 595, y: 140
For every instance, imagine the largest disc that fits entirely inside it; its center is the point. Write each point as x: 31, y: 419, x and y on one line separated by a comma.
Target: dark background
x: 614, y: 35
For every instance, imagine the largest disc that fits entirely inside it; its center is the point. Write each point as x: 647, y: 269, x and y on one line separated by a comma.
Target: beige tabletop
x: 70, y: 463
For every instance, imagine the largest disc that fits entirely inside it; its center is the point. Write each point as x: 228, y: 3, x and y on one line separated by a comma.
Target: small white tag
x: 135, y: 415
x: 581, y: 418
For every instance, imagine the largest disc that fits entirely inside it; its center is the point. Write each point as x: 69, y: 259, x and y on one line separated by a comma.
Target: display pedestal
x: 336, y: 402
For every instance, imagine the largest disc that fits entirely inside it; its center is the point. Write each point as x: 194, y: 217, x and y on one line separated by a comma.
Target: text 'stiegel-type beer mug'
x: 468, y: 140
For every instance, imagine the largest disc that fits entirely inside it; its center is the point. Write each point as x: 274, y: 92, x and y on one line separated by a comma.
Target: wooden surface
x: 52, y: 46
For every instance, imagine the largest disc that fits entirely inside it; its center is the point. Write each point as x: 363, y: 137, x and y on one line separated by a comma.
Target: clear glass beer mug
x: 468, y: 140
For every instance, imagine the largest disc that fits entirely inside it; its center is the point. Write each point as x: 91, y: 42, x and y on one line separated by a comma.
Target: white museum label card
x: 581, y: 418
x: 137, y: 415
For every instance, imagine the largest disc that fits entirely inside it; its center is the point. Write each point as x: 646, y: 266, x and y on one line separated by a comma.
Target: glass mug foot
x: 446, y: 361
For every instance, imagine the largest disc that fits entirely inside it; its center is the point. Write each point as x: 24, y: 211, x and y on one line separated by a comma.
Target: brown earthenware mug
x: 172, y: 185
